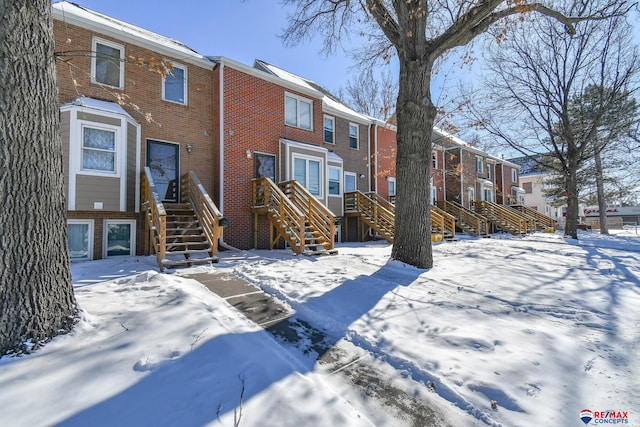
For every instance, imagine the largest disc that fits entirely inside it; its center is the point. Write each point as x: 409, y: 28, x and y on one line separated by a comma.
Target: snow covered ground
x: 543, y: 326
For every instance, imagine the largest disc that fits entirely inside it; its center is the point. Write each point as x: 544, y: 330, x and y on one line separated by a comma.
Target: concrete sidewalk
x: 370, y: 376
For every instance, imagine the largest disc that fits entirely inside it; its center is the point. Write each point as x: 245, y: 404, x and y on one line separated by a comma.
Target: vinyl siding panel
x: 90, y: 189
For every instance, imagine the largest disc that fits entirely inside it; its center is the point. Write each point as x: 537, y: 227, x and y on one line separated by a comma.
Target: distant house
x: 533, y: 181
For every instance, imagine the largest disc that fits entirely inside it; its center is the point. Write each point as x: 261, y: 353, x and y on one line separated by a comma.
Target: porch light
x: 248, y: 154
x: 189, y: 148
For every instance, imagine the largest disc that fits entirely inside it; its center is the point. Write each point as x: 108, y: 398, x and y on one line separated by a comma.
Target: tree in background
x: 370, y: 95
x: 532, y: 99
x: 419, y: 33
x: 36, y: 295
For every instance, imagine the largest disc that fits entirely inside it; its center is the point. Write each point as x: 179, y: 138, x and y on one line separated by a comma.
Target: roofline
x: 70, y: 16
x: 228, y: 62
x: 461, y: 144
x: 344, y: 114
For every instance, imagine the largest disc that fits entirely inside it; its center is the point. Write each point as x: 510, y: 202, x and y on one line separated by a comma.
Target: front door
x: 163, y: 160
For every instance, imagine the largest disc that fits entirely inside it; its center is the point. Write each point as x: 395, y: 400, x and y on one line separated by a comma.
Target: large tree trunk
x: 415, y: 114
x: 602, y: 199
x: 36, y: 296
x: 571, y: 180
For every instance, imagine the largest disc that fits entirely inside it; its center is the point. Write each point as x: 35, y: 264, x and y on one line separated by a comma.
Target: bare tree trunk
x: 415, y: 113
x: 602, y: 200
x: 571, y: 226
x: 36, y: 296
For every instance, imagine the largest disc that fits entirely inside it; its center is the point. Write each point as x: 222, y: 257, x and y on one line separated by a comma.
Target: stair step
x: 189, y: 262
x: 188, y: 251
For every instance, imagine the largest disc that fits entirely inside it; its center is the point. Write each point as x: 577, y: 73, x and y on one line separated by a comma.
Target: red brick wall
x: 386, y: 159
x: 192, y: 123
x: 184, y: 124
x: 254, y: 120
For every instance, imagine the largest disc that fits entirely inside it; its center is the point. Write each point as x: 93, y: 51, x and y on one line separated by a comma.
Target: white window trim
x: 340, y: 181
x: 105, y: 227
x: 355, y: 179
x: 434, y: 159
x: 94, y: 50
x: 90, y: 232
x: 333, y: 132
x: 185, y: 83
x: 357, y: 135
x: 299, y: 99
x: 479, y: 165
x: 118, y: 151
x: 514, y: 176
x: 395, y: 188
x: 321, y: 171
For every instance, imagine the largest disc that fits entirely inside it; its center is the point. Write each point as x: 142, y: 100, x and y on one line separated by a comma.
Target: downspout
x: 462, y: 181
x: 221, y: 241
x: 375, y: 157
x: 502, y: 184
x: 444, y: 175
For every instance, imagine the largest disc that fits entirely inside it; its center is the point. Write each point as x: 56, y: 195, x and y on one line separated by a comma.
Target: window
x: 98, y: 149
x: 434, y: 158
x: 528, y: 187
x: 297, y: 112
x: 350, y: 181
x: 107, y: 63
x: 334, y: 181
x: 479, y: 165
x: 174, y: 85
x: 329, y: 126
x: 119, y: 237
x: 487, y: 194
x: 392, y: 186
x: 434, y: 194
x: 514, y: 176
x: 353, y: 136
x: 308, y: 173
x: 488, y: 171
x: 471, y: 194
x: 80, y: 238
x: 264, y: 165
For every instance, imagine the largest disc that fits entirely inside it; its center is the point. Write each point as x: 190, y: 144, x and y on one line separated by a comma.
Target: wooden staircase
x: 185, y: 233
x: 295, y: 216
x: 542, y: 221
x: 466, y: 220
x: 373, y: 211
x: 504, y: 218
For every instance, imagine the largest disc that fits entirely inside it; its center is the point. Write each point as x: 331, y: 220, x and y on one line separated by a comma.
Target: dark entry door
x: 163, y: 160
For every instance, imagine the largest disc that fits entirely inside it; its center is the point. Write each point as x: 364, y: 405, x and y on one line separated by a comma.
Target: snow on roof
x: 329, y: 101
x: 96, y: 104
x: 79, y: 15
x: 454, y: 139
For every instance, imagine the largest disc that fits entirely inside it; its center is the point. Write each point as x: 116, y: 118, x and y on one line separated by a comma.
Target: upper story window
x: 297, y: 111
x: 488, y: 171
x: 514, y: 176
x: 479, y: 164
x: 353, y: 135
x: 107, y: 63
x: 391, y: 182
x: 434, y: 159
x: 98, y: 149
x: 329, y: 129
x: 174, y: 85
x: 334, y: 181
x: 528, y: 187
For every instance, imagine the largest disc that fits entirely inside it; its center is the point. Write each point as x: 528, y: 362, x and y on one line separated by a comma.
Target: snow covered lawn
x: 542, y: 326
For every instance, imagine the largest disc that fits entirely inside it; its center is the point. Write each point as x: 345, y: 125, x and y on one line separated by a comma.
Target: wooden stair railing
x: 468, y: 221
x: 376, y: 216
x: 284, y: 217
x: 156, y: 216
x: 502, y: 217
x: 210, y: 218
x: 542, y: 221
x: 448, y: 222
x: 321, y: 222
